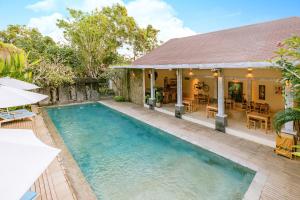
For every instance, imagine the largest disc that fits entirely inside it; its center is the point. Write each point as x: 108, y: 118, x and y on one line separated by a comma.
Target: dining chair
x: 252, y: 123
x: 257, y: 107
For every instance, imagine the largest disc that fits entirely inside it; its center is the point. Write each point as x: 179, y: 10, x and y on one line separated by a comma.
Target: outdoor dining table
x: 260, y: 117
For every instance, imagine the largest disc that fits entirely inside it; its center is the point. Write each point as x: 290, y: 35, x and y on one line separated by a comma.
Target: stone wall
x: 82, y: 90
x: 136, y: 86
x: 132, y: 85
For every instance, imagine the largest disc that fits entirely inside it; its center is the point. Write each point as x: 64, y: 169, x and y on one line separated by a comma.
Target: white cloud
x: 158, y: 13
x: 161, y: 16
x: 43, y: 5
x: 47, y: 26
x: 89, y: 5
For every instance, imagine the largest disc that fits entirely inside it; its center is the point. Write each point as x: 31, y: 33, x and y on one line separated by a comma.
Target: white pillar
x: 221, y: 105
x: 289, y: 103
x: 249, y: 90
x: 179, y: 86
x: 221, y: 118
x: 179, y: 108
x: 152, y: 85
x: 144, y: 87
x: 152, y: 77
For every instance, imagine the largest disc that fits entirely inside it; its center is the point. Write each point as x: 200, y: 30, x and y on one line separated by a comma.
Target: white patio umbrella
x: 15, y: 83
x: 10, y: 97
x: 23, y: 159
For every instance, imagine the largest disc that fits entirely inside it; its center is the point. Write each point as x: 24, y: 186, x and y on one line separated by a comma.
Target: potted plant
x: 288, y: 53
x: 147, y: 97
x: 159, y: 98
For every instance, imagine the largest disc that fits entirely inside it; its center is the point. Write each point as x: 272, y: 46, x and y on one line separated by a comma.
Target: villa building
x: 224, y: 79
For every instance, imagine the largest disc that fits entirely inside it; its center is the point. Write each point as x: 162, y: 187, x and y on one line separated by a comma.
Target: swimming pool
x: 123, y: 158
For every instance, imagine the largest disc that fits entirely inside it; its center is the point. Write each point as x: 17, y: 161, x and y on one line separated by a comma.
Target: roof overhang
x: 241, y: 65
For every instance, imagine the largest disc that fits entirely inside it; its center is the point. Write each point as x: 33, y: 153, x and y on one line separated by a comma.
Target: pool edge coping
x: 76, y: 176
x: 255, y: 188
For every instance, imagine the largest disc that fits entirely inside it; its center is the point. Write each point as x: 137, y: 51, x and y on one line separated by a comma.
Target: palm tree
x: 287, y: 115
x: 288, y: 61
x: 13, y: 62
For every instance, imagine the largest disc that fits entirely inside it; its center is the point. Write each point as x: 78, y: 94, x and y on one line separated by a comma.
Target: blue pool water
x: 123, y: 158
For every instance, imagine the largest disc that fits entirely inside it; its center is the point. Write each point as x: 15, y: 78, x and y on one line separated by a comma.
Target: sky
x: 174, y: 18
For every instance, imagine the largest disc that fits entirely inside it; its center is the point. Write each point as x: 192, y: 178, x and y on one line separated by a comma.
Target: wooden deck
x: 53, y: 183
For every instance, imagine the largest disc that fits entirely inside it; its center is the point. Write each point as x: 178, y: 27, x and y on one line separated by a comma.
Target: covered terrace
x: 223, y: 80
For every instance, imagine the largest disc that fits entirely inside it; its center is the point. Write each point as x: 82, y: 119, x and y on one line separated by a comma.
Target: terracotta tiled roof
x: 252, y: 43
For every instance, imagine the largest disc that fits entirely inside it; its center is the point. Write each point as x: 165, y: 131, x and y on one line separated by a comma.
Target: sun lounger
x: 29, y: 196
x: 15, y: 115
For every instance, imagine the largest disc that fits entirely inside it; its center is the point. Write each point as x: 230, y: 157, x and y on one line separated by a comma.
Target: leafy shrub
x: 119, y: 98
x: 106, y: 91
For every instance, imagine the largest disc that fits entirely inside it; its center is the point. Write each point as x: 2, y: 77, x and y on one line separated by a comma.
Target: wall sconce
x: 215, y: 72
x: 191, y: 73
x: 235, y: 80
x: 249, y: 74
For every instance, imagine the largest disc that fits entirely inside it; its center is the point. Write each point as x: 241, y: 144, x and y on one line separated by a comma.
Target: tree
x: 98, y: 35
x: 65, y: 55
x: 289, y: 62
x: 39, y: 47
x: 145, y: 40
x: 52, y: 75
x: 30, y: 40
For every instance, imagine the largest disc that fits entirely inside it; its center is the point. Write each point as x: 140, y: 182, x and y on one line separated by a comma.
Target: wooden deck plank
x: 51, y: 186
x: 37, y: 186
x: 42, y: 188
x: 48, y: 186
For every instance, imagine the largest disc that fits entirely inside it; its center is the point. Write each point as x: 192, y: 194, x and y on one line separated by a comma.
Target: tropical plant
x: 29, y: 40
x: 159, y: 97
x: 289, y: 62
x: 52, y: 75
x: 13, y: 62
x: 287, y: 115
x: 147, y: 97
x: 39, y: 47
